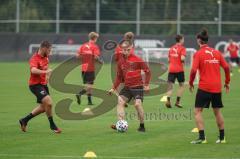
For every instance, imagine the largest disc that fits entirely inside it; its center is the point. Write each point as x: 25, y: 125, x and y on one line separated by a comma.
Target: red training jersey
x: 129, y: 72
x: 87, y: 52
x: 233, y: 50
x: 118, y: 52
x: 174, y: 56
x: 208, y: 61
x: 40, y: 63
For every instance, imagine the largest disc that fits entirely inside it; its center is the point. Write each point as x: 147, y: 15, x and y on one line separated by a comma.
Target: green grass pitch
x: 164, y: 138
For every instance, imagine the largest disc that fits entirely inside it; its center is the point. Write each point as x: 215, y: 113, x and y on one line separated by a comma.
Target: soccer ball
x: 234, y: 64
x: 122, y: 126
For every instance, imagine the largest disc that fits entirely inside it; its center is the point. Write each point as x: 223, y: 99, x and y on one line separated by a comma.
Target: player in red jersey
x: 176, y: 57
x: 129, y: 69
x: 38, y: 85
x: 118, y: 53
x: 233, y: 49
x: 208, y: 62
x: 88, y: 53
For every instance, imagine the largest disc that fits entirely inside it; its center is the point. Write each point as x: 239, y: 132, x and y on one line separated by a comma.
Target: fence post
x: 219, y: 17
x: 17, y: 16
x: 97, y: 16
x: 179, y: 17
x: 57, y: 16
x: 138, y: 14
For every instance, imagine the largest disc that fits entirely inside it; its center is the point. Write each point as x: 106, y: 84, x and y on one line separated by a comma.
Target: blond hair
x: 93, y: 35
x: 128, y: 36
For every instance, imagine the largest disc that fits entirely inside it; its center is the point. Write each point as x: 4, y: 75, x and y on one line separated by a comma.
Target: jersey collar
x: 203, y: 46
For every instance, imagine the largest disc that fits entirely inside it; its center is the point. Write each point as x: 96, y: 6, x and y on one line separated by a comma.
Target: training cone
x: 194, y: 130
x: 90, y: 154
x: 86, y: 109
x: 163, y: 99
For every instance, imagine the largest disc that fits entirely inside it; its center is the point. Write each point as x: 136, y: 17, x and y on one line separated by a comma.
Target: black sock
x: 221, y: 134
x: 52, y: 124
x: 201, y: 135
x: 28, y: 117
x: 89, y: 98
x: 178, y: 99
x: 82, y: 92
x: 141, y: 125
x: 168, y: 99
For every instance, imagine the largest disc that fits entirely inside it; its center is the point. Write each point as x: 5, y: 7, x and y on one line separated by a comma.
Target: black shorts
x: 228, y: 59
x: 88, y: 77
x: 203, y: 99
x: 135, y: 93
x: 40, y: 91
x: 173, y: 76
x: 235, y: 59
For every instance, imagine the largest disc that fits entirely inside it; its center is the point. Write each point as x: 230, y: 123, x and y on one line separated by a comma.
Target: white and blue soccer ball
x: 122, y: 126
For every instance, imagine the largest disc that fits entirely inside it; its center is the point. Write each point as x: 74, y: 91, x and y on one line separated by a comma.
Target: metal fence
x: 165, y: 17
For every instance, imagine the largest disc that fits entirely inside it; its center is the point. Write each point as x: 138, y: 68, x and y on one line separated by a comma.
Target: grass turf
x: 166, y: 137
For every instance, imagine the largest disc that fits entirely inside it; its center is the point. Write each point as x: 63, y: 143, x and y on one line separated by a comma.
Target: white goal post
x: 160, y: 55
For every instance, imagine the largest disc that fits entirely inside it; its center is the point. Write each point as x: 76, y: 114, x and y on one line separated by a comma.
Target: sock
x: 28, y: 117
x: 52, y: 124
x: 168, y: 99
x: 89, y: 98
x: 141, y: 125
x: 82, y: 92
x: 201, y: 135
x: 221, y: 134
x: 178, y: 99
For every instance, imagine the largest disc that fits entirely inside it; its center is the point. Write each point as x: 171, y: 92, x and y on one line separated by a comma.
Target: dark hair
x: 203, y: 36
x: 45, y: 44
x: 178, y: 38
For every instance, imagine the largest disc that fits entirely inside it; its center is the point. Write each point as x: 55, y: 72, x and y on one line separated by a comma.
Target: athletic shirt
x: 174, y: 55
x: 129, y: 72
x: 87, y: 52
x: 40, y: 63
x: 208, y: 61
x: 233, y: 50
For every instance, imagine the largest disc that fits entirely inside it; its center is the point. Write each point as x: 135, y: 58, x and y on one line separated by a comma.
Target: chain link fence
x: 144, y: 17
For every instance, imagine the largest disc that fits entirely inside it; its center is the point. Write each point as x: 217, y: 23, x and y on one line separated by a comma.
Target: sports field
x: 165, y: 137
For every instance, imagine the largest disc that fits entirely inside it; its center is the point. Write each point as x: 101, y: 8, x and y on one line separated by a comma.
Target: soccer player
x: 40, y: 73
x: 176, y: 57
x: 118, y: 53
x: 233, y: 52
x: 129, y: 69
x: 208, y: 62
x: 88, y: 53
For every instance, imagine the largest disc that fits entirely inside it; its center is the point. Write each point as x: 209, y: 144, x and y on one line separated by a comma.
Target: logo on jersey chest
x: 213, y: 61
